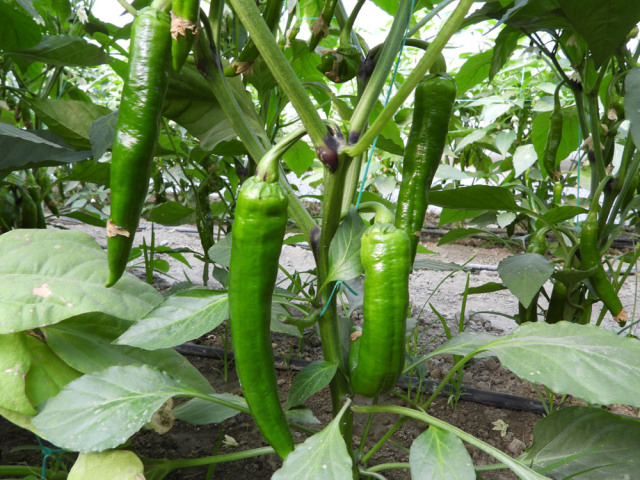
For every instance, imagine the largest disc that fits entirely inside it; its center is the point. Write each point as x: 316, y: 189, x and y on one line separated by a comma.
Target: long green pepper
x: 137, y: 132
x: 377, y: 357
x: 184, y: 26
x: 554, y: 137
x: 258, y: 232
x: 434, y: 99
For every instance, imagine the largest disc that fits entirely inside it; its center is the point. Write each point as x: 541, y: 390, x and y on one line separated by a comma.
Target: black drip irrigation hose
x: 469, y: 394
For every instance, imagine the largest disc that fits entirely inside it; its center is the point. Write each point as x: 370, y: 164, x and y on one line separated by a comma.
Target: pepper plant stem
x: 450, y: 27
x: 281, y: 69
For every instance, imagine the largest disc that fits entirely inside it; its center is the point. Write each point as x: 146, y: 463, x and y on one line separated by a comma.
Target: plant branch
x: 345, y: 34
x: 427, y: 18
x: 410, y: 83
x: 129, y: 8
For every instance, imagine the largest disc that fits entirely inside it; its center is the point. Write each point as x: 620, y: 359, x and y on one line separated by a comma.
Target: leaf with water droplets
x: 323, y: 456
x: 103, y: 409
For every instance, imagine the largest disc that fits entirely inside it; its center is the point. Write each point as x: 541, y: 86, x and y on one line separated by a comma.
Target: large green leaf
x: 22, y: 149
x: 313, y: 378
x: 323, y: 456
x: 524, y: 274
x: 172, y: 214
x: 86, y: 343
x: 533, y: 15
x: 436, y: 265
x: 476, y: 197
x: 109, y: 465
x: 103, y: 409
x: 17, y: 30
x: 588, y: 443
x: 70, y: 119
x: 440, y: 455
x: 220, y: 253
x: 48, y: 373
x: 506, y: 43
x: 15, y: 361
x: 203, y: 412
x: 475, y: 70
x: 299, y: 157
x: 570, y: 133
x: 632, y: 102
x: 65, y: 51
x: 585, y: 361
x: 344, y: 251
x: 178, y: 319
x: 563, y: 213
x: 47, y: 276
x: 459, y: 234
x: 102, y: 133
x: 604, y: 24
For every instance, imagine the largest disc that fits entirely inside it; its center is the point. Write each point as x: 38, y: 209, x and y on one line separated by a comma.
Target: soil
x: 190, y: 441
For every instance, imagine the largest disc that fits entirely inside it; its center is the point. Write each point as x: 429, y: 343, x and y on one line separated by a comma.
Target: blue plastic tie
x: 47, y: 452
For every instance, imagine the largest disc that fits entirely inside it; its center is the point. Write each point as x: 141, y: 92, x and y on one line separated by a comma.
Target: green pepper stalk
x: 376, y: 358
x: 434, y: 99
x: 137, y: 132
x: 590, y: 255
x: 184, y: 27
x: 250, y: 53
x: 258, y: 232
x: 320, y: 27
x: 554, y: 137
x: 45, y: 185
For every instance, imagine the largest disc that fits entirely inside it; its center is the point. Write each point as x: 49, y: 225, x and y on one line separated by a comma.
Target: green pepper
x: 250, y: 53
x: 184, y: 27
x: 340, y: 65
x: 7, y: 209
x: 258, y: 232
x: 590, y: 255
x: 45, y: 184
x: 137, y: 132
x: 377, y: 357
x: 557, y: 303
x: 29, y: 211
x: 554, y: 137
x: 434, y: 99
x: 36, y: 194
x: 320, y: 28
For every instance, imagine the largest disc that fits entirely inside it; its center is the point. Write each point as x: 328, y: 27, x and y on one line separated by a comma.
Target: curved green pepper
x: 590, y: 255
x: 376, y: 358
x: 554, y: 137
x: 184, y: 26
x: 137, y: 132
x: 250, y: 52
x: 36, y: 194
x: 7, y: 209
x: 258, y: 232
x: 29, y: 211
x: 434, y: 99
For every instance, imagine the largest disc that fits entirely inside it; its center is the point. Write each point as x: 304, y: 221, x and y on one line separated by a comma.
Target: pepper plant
x: 86, y: 348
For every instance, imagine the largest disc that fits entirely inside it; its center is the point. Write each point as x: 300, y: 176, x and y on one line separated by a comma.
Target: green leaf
x: 313, y: 378
x: 459, y: 234
x: 261, y: 77
x: 103, y: 409
x: 47, y: 276
x: 90, y: 171
x: 322, y: 456
x: 571, y: 276
x: 474, y: 71
x: 506, y: 43
x: 109, y: 465
x: 102, y: 133
x: 588, y: 443
x: 17, y: 30
x: 463, y: 344
x: 220, y: 253
x: 198, y: 411
x: 504, y: 140
x: 533, y: 15
x: 178, y: 319
x: 48, y: 373
x: 570, y: 133
x: 523, y: 158
x: 70, y: 119
x: 524, y: 274
x: 22, y: 149
x: 438, y: 454
x: 172, y: 214
x: 65, y: 51
x: 299, y: 157
x: 344, y: 251
x: 302, y: 414
x: 436, y: 265
x: 15, y: 361
x: 86, y: 344
x: 449, y: 215
x: 585, y: 361
x: 604, y: 24
x: 476, y: 197
x: 488, y: 287
x: 632, y: 102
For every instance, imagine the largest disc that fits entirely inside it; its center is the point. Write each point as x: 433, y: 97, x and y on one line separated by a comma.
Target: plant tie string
x: 47, y: 452
x: 339, y: 283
